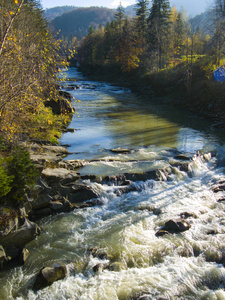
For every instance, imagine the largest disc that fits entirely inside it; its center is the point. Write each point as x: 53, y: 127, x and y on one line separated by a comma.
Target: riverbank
x: 20, y: 172
x: 200, y: 93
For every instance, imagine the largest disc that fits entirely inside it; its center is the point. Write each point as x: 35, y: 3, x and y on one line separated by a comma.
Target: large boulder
x: 14, y: 241
x: 172, y: 226
x: 50, y: 274
x: 56, y: 175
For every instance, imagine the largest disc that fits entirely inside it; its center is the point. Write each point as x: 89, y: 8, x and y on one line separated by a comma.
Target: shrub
x: 22, y: 171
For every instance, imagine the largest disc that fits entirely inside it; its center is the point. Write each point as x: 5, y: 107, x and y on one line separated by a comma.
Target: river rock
x: 80, y: 192
x: 42, y: 201
x: 3, y: 257
x: 176, y: 226
x: 46, y: 154
x: 182, y: 157
x: 24, y: 255
x: 121, y: 150
x: 15, y: 240
x: 49, y: 274
x: 159, y: 174
x: 161, y: 232
x: 54, y: 175
x: 117, y: 266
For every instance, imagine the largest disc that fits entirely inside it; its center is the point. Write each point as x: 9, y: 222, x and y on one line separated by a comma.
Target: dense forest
x: 160, y: 48
x: 29, y: 59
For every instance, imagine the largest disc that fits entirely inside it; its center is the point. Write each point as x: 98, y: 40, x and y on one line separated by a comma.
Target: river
x: 185, y: 265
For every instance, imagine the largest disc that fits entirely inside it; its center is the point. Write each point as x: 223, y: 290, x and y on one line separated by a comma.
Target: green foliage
x: 21, y: 171
x: 5, y: 179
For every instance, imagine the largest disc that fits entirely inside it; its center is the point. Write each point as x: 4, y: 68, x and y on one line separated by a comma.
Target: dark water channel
x: 138, y: 264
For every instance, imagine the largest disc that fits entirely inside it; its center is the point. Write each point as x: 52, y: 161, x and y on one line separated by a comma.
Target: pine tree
x: 119, y: 17
x: 159, y: 29
x: 141, y: 16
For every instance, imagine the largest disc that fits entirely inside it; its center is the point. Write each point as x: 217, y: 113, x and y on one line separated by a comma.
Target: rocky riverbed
x: 61, y: 188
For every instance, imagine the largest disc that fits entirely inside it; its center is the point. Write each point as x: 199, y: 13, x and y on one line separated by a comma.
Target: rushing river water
x: 186, y: 265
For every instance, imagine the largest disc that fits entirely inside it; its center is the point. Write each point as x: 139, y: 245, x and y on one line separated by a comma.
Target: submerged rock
x: 121, y: 150
x: 161, y: 232
x: 172, y: 226
x: 176, y: 226
x: 117, y: 266
x: 49, y: 274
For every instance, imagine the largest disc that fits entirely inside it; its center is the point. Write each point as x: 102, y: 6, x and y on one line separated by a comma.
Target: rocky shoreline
x: 60, y: 189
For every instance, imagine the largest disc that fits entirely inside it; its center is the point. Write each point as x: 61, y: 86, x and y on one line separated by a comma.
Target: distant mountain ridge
x: 52, y: 13
x: 77, y: 21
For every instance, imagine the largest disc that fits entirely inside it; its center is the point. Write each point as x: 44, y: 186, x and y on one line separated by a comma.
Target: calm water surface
x: 188, y: 265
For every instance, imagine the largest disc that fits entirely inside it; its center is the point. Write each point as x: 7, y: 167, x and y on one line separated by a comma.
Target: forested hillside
x: 77, y: 22
x: 52, y: 13
x: 161, y: 48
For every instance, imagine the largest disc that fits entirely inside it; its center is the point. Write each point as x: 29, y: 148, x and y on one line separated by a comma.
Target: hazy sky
x: 193, y: 6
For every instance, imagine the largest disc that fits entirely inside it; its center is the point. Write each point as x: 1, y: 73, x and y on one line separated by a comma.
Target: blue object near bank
x: 219, y: 74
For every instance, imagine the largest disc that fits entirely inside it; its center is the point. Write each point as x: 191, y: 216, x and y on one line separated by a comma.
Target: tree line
x: 157, y: 38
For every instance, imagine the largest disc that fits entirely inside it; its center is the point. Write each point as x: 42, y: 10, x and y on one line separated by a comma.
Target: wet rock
x: 161, y: 232
x: 219, y: 188
x: 24, y: 255
x: 172, y: 226
x: 177, y: 226
x: 221, y: 199
x: 99, y: 268
x: 182, y: 166
x: 159, y: 174
x: 80, y: 193
x: 70, y: 130
x: 73, y: 164
x: 157, y: 211
x: 121, y: 150
x: 125, y: 189
x: 56, y: 206
x: 182, y: 157
x: 90, y: 203
x: 89, y: 177
x: 100, y: 253
x: 3, y: 258
x: 42, y: 201
x: 15, y: 240
x: 49, y: 274
x: 117, y: 266
x: 213, y: 255
x: 186, y: 215
x: 40, y: 213
x: 211, y: 232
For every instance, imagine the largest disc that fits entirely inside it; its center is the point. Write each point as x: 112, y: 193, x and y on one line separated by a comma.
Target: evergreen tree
x: 159, y: 29
x: 119, y: 17
x: 141, y: 16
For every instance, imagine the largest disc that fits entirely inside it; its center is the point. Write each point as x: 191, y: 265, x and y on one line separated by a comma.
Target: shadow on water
x: 112, y: 118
